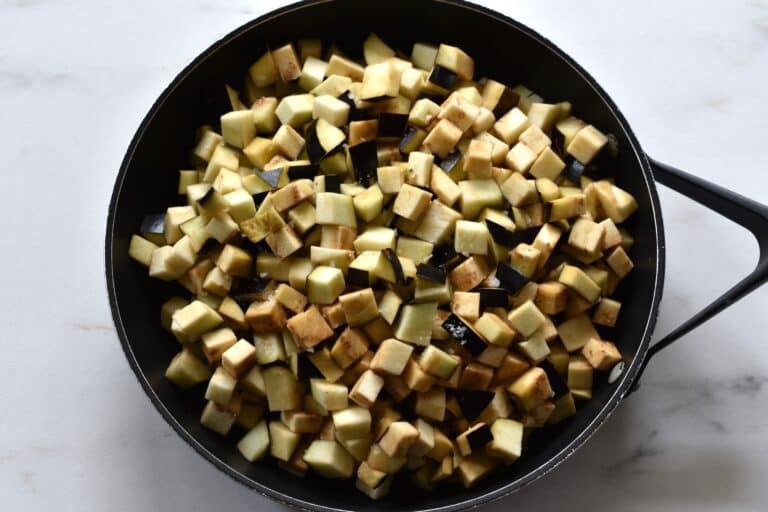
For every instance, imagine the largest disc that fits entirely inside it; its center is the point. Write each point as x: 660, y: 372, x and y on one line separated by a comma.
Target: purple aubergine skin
x: 464, y: 334
x: 510, y: 279
x: 303, y: 172
x: 333, y: 184
x: 503, y: 50
x: 502, y: 235
x: 397, y: 268
x: 271, y: 177
x: 473, y: 401
x: 392, y: 125
x: 153, y: 223
x: 408, y: 137
x: 477, y: 439
x: 315, y: 151
x: 508, y: 100
x: 358, y: 278
x: 493, y: 297
x: 556, y: 381
x: 365, y: 161
x: 443, y: 77
x: 450, y: 161
x: 431, y: 273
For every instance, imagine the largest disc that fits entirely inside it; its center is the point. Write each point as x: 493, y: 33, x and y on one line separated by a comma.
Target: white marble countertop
x: 78, y: 433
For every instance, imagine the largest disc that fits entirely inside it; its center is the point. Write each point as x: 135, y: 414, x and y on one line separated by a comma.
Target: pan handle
x: 745, y: 212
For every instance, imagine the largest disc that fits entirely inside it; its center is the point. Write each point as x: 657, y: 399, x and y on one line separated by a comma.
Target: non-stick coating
x: 147, y: 182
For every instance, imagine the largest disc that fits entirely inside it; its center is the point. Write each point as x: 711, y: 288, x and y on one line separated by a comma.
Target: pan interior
x: 147, y: 183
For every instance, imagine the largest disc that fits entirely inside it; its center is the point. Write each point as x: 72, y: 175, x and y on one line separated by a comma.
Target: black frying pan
x: 503, y: 49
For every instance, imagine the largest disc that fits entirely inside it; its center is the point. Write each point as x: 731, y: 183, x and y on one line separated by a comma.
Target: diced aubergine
x: 153, y: 226
x: 258, y: 197
x: 502, y: 235
x: 255, y: 444
x: 474, y: 439
x: 558, y: 144
x: 431, y: 273
x: 510, y: 279
x: 272, y: 178
x: 305, y: 171
x: 445, y: 256
x: 508, y: 100
x: 303, y: 368
x: 443, y: 77
x: 411, y: 325
x: 250, y: 289
x: 392, y: 125
x: 358, y: 278
x: 329, y: 459
x: 323, y: 139
x: 450, y: 162
x: 411, y: 139
x: 397, y: 267
x: 493, y: 298
x: 607, y: 156
x: 393, y: 266
x: 556, y: 381
x: 574, y: 170
x: 507, y: 439
x: 473, y: 401
x: 464, y: 334
x: 364, y: 161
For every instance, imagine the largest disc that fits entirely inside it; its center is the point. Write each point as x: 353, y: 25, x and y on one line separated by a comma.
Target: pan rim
x: 492, y: 495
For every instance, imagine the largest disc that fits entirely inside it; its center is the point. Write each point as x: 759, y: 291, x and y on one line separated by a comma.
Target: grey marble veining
x: 77, y: 76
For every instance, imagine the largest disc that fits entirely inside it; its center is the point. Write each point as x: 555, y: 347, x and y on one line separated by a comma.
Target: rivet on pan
x: 616, y: 372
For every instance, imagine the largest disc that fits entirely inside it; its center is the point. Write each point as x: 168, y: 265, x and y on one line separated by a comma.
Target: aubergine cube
x: 272, y: 177
x: 443, y: 77
x: 473, y: 401
x: 450, y: 162
x: 502, y: 235
x: 361, y: 115
x: 493, y: 298
x: 248, y: 246
x: 431, y: 273
x: 355, y: 114
x: 464, y: 334
x: 330, y: 137
x: 605, y: 160
x: 479, y: 437
x: 153, y: 223
x: 258, y: 197
x: 507, y: 101
x: 445, y: 256
x: 347, y: 98
x: 413, y: 137
x: 365, y: 161
x: 250, y: 290
x: 392, y: 126
x: 205, y: 198
x: 212, y: 243
x: 315, y: 150
x: 323, y: 139
x: 358, y: 278
x: 573, y: 170
x: 333, y: 183
x: 510, y: 279
x: 397, y: 268
x: 303, y: 368
x: 304, y: 171
x: 556, y: 381
x: 558, y: 143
